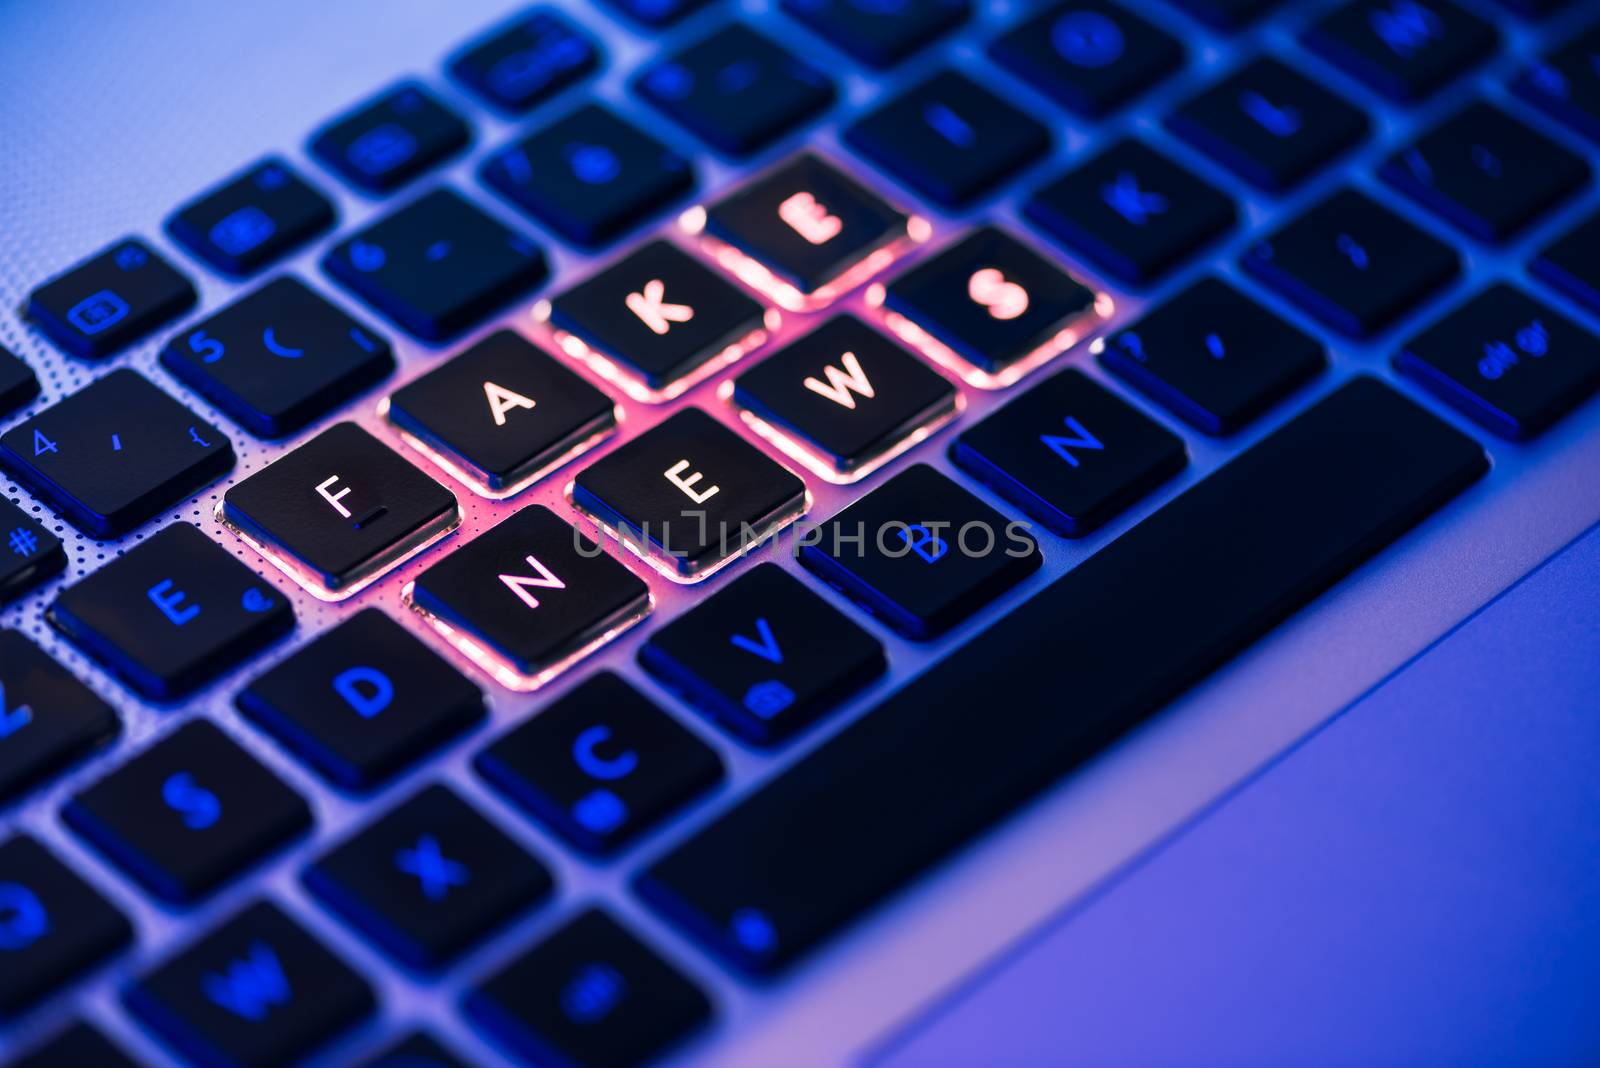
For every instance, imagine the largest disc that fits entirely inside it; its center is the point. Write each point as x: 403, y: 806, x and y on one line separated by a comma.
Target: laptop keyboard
x: 733, y: 412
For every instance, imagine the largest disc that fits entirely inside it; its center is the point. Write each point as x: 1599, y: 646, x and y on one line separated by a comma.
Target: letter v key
x: 767, y: 648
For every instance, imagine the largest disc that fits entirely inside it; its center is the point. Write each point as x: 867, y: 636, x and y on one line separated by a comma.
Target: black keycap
x: 1091, y: 56
x: 655, y: 12
x: 1269, y: 124
x: 1113, y: 639
x: 921, y: 553
x: 880, y: 32
x: 1070, y: 453
x: 18, y: 385
x: 810, y: 231
x: 53, y: 925
x: 1405, y: 49
x: 255, y: 991
x: 388, y: 140
x: 340, y: 510
x: 279, y: 358
x: 843, y: 398
x: 363, y: 701
x: 1510, y: 362
x: 1226, y: 14
x: 763, y: 656
x: 589, y: 176
x: 416, y: 1050
x: 525, y: 60
x: 1213, y: 357
x: 428, y: 879
x: 592, y: 995
x: 659, y: 315
x: 116, y: 454
x: 735, y: 90
x: 438, y: 265
x: 1485, y: 172
x: 1352, y: 263
x: 994, y: 302
x: 110, y: 301
x: 189, y: 813
x: 79, y: 1046
x: 529, y: 595
x: 48, y: 719
x: 1131, y: 212
x: 252, y: 219
x: 1566, y: 83
x: 29, y: 554
x: 503, y: 413
x: 600, y: 765
x: 172, y: 613
x: 1571, y: 263
x: 690, y: 493
x: 949, y: 138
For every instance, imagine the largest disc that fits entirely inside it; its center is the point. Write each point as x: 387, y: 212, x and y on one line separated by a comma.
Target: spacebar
x: 1051, y: 684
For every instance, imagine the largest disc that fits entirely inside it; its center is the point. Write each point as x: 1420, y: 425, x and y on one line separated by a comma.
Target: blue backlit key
x: 1566, y: 83
x: 48, y: 719
x: 111, y: 300
x: 921, y: 553
x: 256, y: 990
x: 363, y: 701
x: 252, y: 219
x: 1131, y: 211
x: 279, y: 358
x: 525, y: 60
x: 1486, y: 172
x: 390, y: 139
x: 1405, y: 49
x: 53, y: 925
x: 340, y: 510
x: 18, y: 384
x: 437, y: 265
x: 591, y: 994
x: 880, y: 32
x: 589, y: 175
x: 29, y: 554
x: 992, y: 301
x: 188, y: 813
x: 416, y: 1050
x: 428, y: 879
x: 949, y: 138
x: 1511, y: 362
x: 600, y: 765
x: 1091, y: 55
x: 116, y: 454
x: 1269, y: 124
x: 735, y: 89
x: 172, y: 613
x: 763, y: 656
x: 1070, y: 453
x: 656, y: 12
x: 79, y: 1045
x: 1571, y: 263
x: 1352, y: 263
x: 1213, y: 357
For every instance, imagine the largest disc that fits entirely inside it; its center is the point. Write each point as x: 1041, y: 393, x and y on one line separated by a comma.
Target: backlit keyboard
x: 621, y: 471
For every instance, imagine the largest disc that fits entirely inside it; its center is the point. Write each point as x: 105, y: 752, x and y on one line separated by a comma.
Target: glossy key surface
x: 363, y: 700
x: 253, y: 218
x: 29, y: 553
x: 525, y: 60
x: 188, y: 813
x: 386, y: 141
x: 115, y: 454
x: 1091, y: 56
x: 880, y: 32
x: 48, y: 718
x: 111, y: 300
x: 172, y: 613
x: 1131, y: 627
x: 279, y: 358
x: 1403, y: 50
